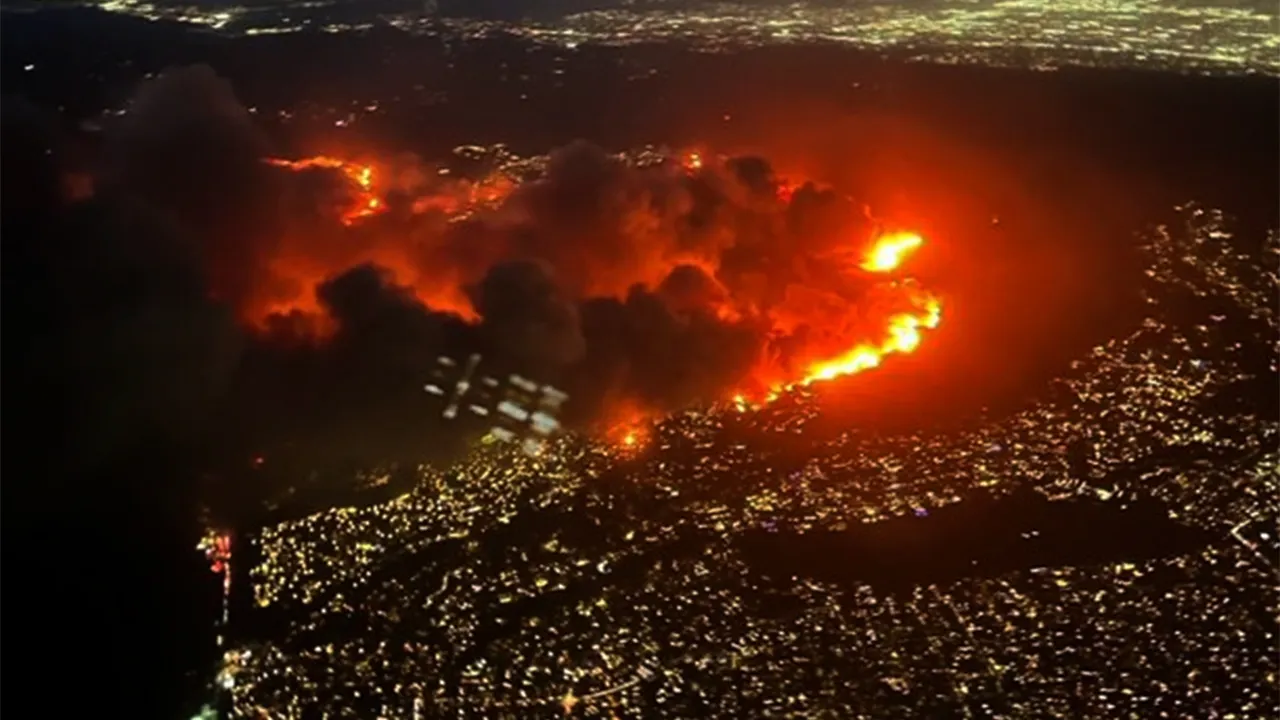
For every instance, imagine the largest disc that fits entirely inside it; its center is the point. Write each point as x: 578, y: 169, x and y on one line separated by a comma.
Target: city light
x: 640, y: 597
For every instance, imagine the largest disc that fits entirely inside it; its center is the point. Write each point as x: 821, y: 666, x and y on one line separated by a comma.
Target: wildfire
x: 297, y: 264
x: 630, y: 434
x: 890, y: 251
x: 217, y: 549
x: 365, y: 203
x: 628, y: 427
x: 902, y: 330
x: 914, y: 311
x: 903, y: 333
x: 626, y: 438
x: 903, y: 337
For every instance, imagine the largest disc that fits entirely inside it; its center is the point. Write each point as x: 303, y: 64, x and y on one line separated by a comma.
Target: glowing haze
x: 640, y: 283
x: 883, y: 255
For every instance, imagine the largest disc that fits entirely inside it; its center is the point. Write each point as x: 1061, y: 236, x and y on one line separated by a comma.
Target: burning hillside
x: 725, y: 244
x: 638, y: 282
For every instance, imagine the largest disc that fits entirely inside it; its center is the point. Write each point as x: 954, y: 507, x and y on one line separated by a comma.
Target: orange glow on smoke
x: 903, y: 336
x: 628, y: 436
x: 903, y: 333
x: 902, y: 330
x: 301, y: 265
x: 844, y: 337
x: 365, y: 203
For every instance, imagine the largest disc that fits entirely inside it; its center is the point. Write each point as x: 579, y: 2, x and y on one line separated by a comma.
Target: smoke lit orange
x: 844, y: 336
x: 903, y: 336
x: 365, y: 203
x: 902, y: 331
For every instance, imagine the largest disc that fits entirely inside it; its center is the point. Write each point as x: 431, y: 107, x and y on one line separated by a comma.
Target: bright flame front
x: 903, y: 331
x: 890, y: 251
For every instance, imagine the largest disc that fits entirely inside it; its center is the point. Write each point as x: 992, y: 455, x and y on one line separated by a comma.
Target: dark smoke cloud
x: 602, y: 225
x: 116, y: 362
x: 188, y: 148
x: 113, y: 342
x: 28, y: 170
x: 355, y: 396
x: 689, y: 290
x: 125, y: 348
x: 528, y: 316
x: 638, y: 288
x: 641, y: 351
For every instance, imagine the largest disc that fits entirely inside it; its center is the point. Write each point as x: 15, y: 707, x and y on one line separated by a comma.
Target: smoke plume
x: 636, y: 286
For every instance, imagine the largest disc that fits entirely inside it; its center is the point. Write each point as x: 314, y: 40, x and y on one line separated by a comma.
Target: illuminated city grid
x: 1154, y: 34
x: 594, y: 581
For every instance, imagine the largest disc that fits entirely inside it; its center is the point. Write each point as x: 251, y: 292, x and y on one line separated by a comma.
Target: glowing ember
x: 890, y: 251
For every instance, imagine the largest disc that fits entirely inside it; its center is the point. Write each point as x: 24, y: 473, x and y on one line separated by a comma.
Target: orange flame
x: 628, y: 437
x: 903, y: 337
x: 890, y: 251
x: 902, y: 331
x: 366, y: 200
x: 368, y: 184
x: 628, y: 426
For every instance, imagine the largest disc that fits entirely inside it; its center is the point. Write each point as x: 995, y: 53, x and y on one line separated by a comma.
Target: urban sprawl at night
x: 713, y: 569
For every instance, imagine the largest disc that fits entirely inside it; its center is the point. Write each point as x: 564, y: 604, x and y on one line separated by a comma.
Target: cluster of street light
x: 1138, y: 33
x: 603, y: 580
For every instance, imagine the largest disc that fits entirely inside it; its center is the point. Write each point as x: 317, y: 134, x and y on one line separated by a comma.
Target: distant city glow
x: 1137, y: 33
x: 628, y: 591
